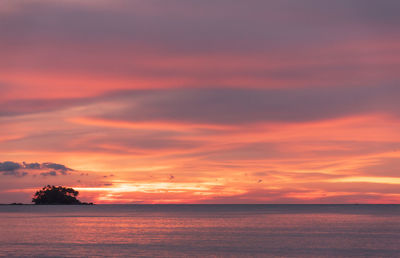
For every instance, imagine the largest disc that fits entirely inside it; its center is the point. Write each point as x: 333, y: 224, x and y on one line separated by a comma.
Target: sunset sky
x: 186, y: 101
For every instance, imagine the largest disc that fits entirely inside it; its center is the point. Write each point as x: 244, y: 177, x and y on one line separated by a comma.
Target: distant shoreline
x: 15, y: 203
x: 208, y: 204
x: 18, y: 204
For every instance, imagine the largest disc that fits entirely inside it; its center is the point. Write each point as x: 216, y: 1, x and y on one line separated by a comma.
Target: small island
x: 57, y: 195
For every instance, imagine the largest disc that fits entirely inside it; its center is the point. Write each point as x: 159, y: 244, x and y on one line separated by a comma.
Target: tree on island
x: 56, y: 195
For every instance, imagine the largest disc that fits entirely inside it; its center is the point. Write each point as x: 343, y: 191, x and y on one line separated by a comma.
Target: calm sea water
x: 200, y: 231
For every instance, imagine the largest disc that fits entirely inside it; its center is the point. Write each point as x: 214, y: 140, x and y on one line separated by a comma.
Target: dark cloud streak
x: 216, y: 26
x: 236, y: 106
x: 10, y: 168
x: 241, y: 106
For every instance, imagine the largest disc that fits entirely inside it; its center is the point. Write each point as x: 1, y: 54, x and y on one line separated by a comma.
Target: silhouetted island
x: 57, y: 195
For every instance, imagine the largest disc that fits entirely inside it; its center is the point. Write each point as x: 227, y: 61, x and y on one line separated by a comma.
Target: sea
x: 200, y: 231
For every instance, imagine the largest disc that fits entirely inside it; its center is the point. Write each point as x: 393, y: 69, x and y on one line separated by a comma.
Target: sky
x: 186, y: 101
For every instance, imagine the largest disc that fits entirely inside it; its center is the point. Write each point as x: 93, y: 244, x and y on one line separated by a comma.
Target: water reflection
x: 199, y: 230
